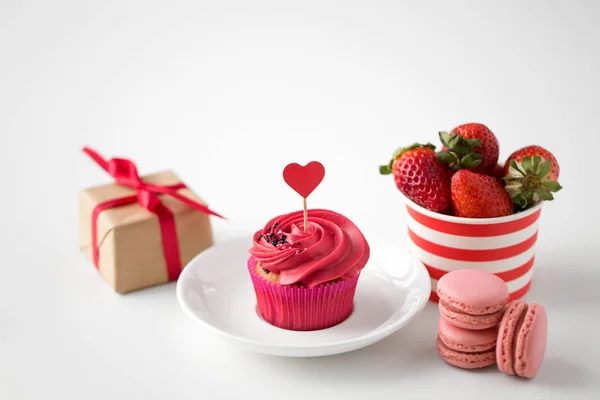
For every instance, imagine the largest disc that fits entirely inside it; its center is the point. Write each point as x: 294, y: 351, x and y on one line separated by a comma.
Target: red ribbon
x: 125, y: 173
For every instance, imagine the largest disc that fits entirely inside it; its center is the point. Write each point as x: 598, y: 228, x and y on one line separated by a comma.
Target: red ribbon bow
x: 125, y: 173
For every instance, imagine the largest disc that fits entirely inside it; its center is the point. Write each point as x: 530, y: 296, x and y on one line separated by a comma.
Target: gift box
x: 504, y: 246
x: 141, y: 231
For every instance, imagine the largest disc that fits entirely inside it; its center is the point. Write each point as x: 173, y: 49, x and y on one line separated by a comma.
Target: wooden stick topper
x: 304, y: 180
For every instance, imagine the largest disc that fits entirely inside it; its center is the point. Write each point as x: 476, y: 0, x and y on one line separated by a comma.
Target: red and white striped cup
x: 504, y: 246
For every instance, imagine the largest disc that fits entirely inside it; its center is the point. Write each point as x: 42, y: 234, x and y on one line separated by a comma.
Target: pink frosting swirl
x: 332, y: 248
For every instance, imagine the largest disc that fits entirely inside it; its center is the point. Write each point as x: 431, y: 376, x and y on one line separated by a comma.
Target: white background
x: 226, y: 94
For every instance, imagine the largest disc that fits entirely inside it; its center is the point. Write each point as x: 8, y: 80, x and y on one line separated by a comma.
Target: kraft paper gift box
x: 138, y: 248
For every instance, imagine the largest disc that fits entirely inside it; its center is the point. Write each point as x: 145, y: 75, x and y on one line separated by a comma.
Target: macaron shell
x: 465, y: 360
x: 511, y: 321
x: 466, y: 340
x: 467, y: 321
x: 531, y: 342
x: 473, y: 291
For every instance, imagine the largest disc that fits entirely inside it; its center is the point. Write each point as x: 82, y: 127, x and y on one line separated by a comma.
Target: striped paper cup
x: 504, y: 246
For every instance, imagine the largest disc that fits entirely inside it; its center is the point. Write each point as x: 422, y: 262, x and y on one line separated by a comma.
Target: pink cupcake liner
x: 299, y: 308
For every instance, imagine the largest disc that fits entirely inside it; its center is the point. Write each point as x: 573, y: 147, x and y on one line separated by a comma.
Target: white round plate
x: 215, y: 289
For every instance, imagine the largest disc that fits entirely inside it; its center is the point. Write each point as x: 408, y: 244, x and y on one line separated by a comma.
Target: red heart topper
x: 304, y: 179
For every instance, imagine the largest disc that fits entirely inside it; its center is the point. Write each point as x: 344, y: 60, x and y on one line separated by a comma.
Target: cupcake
x: 307, y: 280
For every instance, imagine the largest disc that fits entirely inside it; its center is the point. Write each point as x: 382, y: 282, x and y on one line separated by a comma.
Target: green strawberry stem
x: 387, y: 168
x: 459, y: 154
x: 527, y: 184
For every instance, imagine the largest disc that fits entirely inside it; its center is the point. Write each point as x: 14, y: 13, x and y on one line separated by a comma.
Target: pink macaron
x: 465, y: 348
x: 522, y: 337
x: 472, y: 299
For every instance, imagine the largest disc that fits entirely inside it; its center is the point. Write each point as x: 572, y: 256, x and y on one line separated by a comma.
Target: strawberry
x: 469, y: 146
x: 531, y: 151
x: 497, y: 172
x: 420, y: 176
x: 479, y: 196
x: 531, y: 175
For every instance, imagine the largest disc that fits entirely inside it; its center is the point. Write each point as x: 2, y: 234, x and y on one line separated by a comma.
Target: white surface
x: 226, y: 93
x: 214, y: 291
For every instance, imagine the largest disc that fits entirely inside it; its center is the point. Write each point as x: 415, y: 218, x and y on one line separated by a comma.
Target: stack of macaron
x: 479, y: 327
